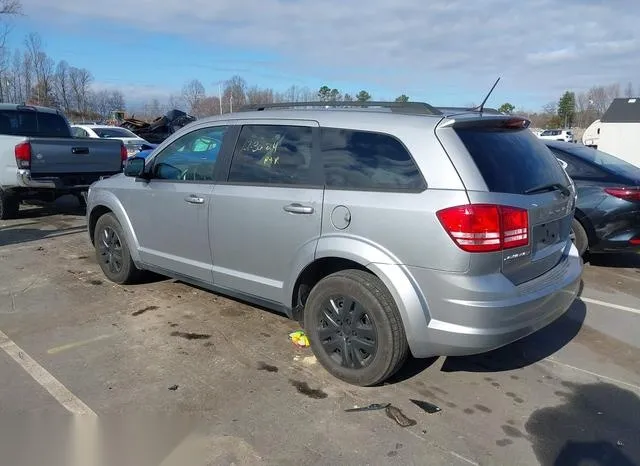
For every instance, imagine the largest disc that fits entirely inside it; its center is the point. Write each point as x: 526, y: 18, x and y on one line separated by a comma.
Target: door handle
x: 296, y: 208
x: 79, y: 150
x: 193, y: 199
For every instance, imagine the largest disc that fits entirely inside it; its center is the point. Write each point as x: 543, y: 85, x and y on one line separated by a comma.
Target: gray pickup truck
x: 40, y: 159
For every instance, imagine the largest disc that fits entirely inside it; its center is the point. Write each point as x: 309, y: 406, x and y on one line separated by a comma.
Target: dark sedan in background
x: 607, y: 215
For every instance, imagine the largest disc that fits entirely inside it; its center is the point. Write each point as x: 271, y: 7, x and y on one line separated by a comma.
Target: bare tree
x: 193, y: 92
x: 43, y: 65
x: 234, y: 95
x: 27, y: 74
x: 628, y: 92
x: 62, y: 86
x: 550, y: 108
x: 8, y: 9
x: 104, y: 102
x: 14, y: 79
x: 207, y: 106
x: 80, y: 80
x: 256, y: 95
x: 600, y: 97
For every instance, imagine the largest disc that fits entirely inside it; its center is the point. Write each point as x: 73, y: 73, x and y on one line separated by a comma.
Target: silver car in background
x: 386, y: 230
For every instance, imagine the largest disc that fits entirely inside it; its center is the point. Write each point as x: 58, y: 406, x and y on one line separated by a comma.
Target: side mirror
x: 134, y: 167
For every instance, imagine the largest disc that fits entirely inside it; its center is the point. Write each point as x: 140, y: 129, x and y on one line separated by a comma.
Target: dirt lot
x: 198, y: 373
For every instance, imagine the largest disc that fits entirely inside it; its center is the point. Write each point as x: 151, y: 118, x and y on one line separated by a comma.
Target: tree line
x: 30, y: 76
x: 235, y: 93
x: 573, y: 109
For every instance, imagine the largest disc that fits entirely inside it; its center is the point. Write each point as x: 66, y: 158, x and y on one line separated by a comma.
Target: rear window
x: 511, y: 161
x: 31, y: 123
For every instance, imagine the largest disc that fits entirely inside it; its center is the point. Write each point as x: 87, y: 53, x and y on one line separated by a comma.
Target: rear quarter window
x: 511, y: 161
x: 363, y: 160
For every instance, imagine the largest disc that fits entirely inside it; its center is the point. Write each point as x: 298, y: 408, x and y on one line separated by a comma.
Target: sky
x: 445, y: 52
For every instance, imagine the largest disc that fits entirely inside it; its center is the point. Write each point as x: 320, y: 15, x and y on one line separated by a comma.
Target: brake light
x: 628, y: 194
x: 635, y: 241
x: 23, y: 155
x: 486, y: 227
x: 124, y: 155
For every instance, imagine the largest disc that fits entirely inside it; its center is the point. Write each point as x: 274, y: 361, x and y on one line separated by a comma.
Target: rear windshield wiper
x: 549, y: 187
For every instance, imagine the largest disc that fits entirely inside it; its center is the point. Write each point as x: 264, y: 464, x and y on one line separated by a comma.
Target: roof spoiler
x: 489, y: 122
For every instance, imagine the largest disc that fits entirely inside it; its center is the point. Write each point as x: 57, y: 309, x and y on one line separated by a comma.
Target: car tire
x: 579, y: 237
x: 355, y: 328
x: 112, y: 251
x: 9, y: 205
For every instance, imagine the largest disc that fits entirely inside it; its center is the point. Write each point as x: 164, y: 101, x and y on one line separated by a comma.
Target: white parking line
x: 61, y: 393
x: 595, y: 374
x: 611, y: 305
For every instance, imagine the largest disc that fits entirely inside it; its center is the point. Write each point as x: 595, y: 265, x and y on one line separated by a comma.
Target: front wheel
x: 355, y: 328
x: 112, y: 251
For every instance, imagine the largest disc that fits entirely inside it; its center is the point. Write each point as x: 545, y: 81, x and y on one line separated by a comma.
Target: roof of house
x: 626, y: 110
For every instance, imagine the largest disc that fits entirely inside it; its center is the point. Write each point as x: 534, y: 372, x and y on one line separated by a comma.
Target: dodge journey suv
x: 385, y: 228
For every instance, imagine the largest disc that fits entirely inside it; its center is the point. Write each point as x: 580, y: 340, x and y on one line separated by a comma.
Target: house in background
x: 620, y: 130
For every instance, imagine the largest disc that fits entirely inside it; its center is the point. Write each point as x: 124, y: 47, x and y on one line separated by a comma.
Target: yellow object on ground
x: 299, y: 339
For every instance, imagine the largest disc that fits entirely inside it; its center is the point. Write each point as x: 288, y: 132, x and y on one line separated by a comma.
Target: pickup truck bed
x: 40, y: 159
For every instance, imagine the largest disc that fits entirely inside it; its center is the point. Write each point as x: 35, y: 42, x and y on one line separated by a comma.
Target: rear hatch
x: 513, y: 170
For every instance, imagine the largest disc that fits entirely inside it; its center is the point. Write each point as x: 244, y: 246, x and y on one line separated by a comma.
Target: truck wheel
x: 81, y: 201
x: 579, y: 237
x: 355, y: 328
x: 112, y: 251
x: 9, y: 205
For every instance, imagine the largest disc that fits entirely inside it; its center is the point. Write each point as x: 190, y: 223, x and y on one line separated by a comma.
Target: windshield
x: 113, y: 132
x: 604, y: 160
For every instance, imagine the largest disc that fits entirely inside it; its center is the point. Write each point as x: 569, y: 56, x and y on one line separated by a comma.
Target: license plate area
x: 546, y: 234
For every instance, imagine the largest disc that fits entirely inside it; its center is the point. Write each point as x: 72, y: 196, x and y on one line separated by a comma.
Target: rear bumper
x: 470, y: 315
x: 624, y: 240
x: 25, y: 181
x: 71, y: 182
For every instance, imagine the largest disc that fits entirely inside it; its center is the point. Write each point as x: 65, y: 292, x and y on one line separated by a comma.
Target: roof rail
x: 419, y: 108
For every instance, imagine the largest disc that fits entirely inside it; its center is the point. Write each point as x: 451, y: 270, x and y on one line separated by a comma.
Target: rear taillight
x: 23, y: 155
x: 628, y: 194
x: 635, y: 241
x: 486, y: 228
x: 123, y: 153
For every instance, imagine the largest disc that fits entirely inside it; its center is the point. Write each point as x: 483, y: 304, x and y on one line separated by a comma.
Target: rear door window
x: 367, y: 161
x: 511, y: 161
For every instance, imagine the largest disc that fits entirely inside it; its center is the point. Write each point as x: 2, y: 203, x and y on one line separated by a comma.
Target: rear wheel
x: 9, y: 205
x: 579, y: 237
x: 355, y: 328
x: 112, y: 251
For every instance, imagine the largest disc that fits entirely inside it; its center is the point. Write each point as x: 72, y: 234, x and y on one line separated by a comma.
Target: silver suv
x: 389, y: 229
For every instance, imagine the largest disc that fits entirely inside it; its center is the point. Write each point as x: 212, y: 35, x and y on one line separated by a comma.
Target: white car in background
x: 565, y: 135
x: 132, y: 142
